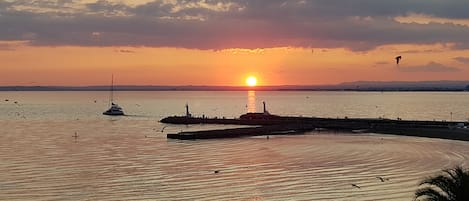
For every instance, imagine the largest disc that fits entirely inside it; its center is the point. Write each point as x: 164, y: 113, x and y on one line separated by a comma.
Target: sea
x: 59, y: 146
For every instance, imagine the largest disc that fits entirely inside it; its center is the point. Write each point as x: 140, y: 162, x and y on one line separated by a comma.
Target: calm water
x: 129, y: 158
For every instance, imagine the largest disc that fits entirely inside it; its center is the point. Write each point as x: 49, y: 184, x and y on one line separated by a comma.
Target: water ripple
x: 116, y: 161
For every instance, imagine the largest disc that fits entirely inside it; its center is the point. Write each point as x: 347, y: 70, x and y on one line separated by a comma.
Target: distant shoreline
x: 347, y: 86
x: 138, y: 88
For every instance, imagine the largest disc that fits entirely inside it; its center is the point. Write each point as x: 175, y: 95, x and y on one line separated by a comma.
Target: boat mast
x: 111, y: 97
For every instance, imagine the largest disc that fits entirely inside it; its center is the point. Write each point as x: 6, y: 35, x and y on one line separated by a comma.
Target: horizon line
x: 351, y: 86
x: 244, y: 86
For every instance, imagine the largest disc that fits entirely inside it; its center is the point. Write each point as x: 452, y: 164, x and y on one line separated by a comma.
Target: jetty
x: 267, y: 124
x: 240, y: 132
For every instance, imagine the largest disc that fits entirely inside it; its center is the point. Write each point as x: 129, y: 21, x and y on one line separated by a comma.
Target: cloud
x: 422, y: 51
x: 6, y: 47
x: 125, y: 51
x: 381, y: 63
x: 431, y: 67
x: 462, y: 59
x: 358, y: 25
x: 11, y: 45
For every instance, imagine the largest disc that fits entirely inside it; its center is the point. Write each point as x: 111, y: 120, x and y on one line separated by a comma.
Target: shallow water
x: 129, y: 158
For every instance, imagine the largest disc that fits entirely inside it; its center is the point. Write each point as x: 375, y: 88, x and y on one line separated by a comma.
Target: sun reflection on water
x: 251, y: 106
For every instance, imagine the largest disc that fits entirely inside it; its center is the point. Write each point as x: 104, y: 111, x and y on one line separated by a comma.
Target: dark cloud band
x: 219, y: 24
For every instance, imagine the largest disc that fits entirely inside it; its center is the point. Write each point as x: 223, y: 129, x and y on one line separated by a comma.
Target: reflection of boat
x: 114, y: 110
x: 360, y: 131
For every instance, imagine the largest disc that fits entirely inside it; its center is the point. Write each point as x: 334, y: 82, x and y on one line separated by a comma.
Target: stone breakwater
x: 266, y: 124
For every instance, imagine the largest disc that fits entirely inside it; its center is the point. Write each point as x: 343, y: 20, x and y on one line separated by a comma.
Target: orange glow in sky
x: 84, y: 66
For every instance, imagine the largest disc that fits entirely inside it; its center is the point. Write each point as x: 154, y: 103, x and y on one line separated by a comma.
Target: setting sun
x: 251, y: 81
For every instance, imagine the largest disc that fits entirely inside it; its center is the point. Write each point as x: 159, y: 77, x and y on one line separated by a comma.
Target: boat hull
x: 115, y: 110
x: 113, y: 113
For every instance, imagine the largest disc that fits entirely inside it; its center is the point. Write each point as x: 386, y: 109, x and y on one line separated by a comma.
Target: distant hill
x: 346, y: 86
x: 442, y: 85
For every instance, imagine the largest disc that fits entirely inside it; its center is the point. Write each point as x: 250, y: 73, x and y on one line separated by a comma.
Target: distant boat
x: 114, y: 110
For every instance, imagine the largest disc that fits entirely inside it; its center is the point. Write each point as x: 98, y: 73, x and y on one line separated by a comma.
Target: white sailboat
x: 114, y: 109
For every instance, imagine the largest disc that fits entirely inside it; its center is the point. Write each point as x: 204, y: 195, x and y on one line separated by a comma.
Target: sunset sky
x: 212, y: 42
